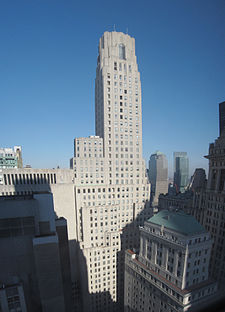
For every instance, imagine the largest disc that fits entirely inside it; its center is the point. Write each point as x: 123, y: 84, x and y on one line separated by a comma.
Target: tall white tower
x: 111, y: 188
x: 118, y: 116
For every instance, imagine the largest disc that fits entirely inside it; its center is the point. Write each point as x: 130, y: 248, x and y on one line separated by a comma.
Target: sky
x: 48, y: 54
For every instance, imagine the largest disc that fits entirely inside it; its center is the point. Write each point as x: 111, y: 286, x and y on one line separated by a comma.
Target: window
x: 122, y: 51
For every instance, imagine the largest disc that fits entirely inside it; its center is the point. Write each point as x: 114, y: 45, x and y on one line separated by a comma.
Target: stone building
x: 111, y: 187
x: 170, y: 273
x: 209, y: 204
x: 105, y: 195
x: 35, y: 267
x: 59, y: 182
x: 183, y: 201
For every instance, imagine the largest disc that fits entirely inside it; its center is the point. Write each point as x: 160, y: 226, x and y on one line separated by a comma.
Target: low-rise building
x: 170, y: 273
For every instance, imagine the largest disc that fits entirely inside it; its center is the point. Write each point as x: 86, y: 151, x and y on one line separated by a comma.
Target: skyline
x: 49, y: 61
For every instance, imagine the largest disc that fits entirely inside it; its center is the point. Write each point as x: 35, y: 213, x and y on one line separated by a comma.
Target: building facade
x: 182, y: 201
x: 35, y: 268
x: 181, y: 171
x: 198, y: 180
x: 158, y: 176
x: 105, y: 195
x: 60, y: 182
x: 209, y: 204
x: 11, y: 158
x: 112, y: 190
x: 170, y: 273
x: 12, y: 298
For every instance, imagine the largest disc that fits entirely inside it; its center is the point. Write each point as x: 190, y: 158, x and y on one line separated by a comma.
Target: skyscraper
x: 112, y: 190
x: 181, y: 171
x: 105, y: 197
x: 11, y: 158
x: 209, y: 205
x: 118, y: 111
x: 158, y: 176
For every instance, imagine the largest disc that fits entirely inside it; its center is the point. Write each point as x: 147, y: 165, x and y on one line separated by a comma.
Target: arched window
x: 122, y: 51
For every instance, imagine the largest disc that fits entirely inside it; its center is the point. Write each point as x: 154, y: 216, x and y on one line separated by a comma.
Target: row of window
x: 123, y: 105
x: 32, y: 178
x: 113, y: 202
x: 113, y: 189
x: 88, y: 142
x: 122, y: 77
x: 89, y: 149
x: 89, y: 155
x: 82, y: 162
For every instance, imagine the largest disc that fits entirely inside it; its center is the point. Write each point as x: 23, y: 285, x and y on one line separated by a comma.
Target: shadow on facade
x: 84, y: 301
x: 102, y: 301
x: 130, y: 239
x: 39, y: 268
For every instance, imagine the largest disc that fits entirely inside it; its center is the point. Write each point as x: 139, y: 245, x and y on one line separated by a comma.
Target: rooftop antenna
x: 114, y: 27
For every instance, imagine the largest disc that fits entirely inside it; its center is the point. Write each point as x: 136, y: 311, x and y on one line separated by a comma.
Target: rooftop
x: 178, y: 221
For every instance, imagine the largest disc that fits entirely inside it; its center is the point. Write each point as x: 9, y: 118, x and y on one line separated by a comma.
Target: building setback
x: 112, y: 190
x: 170, y: 273
x: 105, y: 196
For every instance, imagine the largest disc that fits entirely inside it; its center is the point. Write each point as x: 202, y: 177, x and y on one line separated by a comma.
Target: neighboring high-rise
x: 171, y: 271
x: 184, y: 200
x: 158, y: 176
x: 11, y: 158
x: 198, y: 180
x: 209, y: 204
x: 112, y: 190
x: 181, y: 171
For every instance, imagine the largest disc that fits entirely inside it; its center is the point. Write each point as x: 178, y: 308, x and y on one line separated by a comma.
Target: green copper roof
x: 178, y: 221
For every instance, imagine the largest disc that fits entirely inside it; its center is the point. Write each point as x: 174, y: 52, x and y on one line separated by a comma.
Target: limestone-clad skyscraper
x: 112, y: 190
x: 118, y: 108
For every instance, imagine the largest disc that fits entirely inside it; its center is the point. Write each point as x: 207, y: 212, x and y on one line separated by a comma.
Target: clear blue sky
x: 48, y: 52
